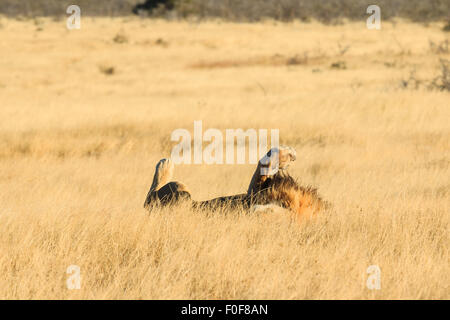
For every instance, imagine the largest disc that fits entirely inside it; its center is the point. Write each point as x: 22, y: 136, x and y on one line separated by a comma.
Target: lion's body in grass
x: 279, y: 189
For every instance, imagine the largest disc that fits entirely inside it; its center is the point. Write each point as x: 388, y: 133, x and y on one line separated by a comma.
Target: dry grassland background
x: 86, y: 114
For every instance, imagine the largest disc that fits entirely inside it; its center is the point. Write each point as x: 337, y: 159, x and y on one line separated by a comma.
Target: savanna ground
x: 86, y: 114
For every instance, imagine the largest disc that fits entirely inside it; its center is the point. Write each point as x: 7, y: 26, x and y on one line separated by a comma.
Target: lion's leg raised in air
x: 275, y: 160
x: 163, y: 190
x: 163, y: 174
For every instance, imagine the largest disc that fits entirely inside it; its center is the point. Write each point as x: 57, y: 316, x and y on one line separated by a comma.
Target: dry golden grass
x: 78, y: 147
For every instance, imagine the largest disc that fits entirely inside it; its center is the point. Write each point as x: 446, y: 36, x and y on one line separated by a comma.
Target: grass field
x: 86, y: 114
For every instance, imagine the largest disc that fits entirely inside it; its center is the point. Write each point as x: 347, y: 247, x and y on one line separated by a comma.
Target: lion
x: 271, y: 187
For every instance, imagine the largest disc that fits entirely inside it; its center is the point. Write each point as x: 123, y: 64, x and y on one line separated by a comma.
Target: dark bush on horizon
x: 150, y: 5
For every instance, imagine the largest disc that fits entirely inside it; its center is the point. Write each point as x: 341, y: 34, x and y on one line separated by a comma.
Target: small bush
x: 446, y: 27
x: 297, y: 59
x: 107, y: 70
x: 442, y: 81
x: 339, y: 65
x: 120, y: 38
x: 412, y: 82
x: 439, y: 47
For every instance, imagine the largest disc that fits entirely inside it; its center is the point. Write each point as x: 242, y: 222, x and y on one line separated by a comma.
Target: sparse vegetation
x: 161, y: 42
x: 339, y: 65
x: 446, y: 27
x: 33, y: 8
x: 412, y: 82
x: 442, y: 81
x: 327, y: 11
x: 120, y: 38
x: 107, y: 69
x: 441, y: 47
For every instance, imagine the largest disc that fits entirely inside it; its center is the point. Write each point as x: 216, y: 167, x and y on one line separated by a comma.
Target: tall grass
x: 78, y: 147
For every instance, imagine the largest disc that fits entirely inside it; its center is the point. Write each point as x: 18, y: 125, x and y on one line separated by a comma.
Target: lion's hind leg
x: 163, y: 173
x: 171, y: 193
x: 163, y: 191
